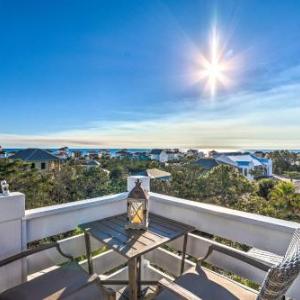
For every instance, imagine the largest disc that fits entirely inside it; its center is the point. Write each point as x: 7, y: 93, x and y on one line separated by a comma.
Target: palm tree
x: 283, y: 191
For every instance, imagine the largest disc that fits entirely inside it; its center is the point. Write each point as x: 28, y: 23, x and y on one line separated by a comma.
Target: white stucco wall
x: 12, y: 210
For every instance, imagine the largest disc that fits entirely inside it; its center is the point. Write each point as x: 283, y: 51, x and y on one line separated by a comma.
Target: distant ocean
x: 113, y: 151
x: 86, y: 150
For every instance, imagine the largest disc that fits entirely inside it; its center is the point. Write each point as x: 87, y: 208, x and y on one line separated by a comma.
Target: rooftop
x: 156, y: 173
x: 245, y: 158
x: 156, y: 151
x: 207, y: 163
x: 34, y: 154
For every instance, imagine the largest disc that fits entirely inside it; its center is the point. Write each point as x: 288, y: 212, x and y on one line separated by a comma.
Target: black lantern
x: 137, y: 208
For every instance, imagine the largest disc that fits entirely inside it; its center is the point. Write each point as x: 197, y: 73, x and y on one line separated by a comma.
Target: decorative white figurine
x: 4, y: 188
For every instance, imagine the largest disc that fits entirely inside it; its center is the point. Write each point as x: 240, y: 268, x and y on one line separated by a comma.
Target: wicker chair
x: 68, y: 282
x: 200, y: 283
x: 281, y: 276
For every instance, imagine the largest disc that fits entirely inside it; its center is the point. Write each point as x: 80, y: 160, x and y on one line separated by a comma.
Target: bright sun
x: 213, y: 69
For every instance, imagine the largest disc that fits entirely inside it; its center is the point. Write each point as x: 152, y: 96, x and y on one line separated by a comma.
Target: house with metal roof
x: 40, y: 159
x: 246, y: 163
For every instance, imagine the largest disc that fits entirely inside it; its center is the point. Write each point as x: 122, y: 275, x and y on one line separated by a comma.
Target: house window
x: 245, y: 172
x: 43, y: 166
x: 32, y: 165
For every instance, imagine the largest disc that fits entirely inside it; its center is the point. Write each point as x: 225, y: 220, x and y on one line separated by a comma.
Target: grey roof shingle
x: 207, y: 163
x: 34, y: 154
x: 156, y: 151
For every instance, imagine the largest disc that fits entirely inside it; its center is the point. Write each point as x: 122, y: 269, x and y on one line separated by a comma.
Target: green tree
x: 286, y: 202
x: 265, y: 186
x: 93, y: 183
x: 117, y: 173
x: 283, y: 191
x: 184, y: 181
x: 22, y: 178
x: 224, y: 185
x: 65, y: 185
x: 283, y: 161
x: 258, y: 172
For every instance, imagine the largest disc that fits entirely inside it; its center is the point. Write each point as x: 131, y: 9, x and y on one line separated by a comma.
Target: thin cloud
x: 246, y: 119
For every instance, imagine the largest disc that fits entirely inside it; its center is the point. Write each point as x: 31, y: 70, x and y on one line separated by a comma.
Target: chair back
x: 280, y: 277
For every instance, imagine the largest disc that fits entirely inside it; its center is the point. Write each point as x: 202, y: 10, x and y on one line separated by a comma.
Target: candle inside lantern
x: 138, y: 216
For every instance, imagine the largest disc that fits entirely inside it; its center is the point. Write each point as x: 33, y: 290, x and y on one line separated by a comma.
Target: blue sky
x: 122, y: 74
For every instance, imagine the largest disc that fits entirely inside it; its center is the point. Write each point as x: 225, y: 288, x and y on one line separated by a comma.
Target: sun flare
x: 213, y: 69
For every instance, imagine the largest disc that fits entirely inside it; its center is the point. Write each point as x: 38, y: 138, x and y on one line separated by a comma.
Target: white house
x: 246, y: 163
x: 159, y: 155
x: 174, y: 154
x: 194, y: 153
x: 64, y: 153
x: 165, y: 155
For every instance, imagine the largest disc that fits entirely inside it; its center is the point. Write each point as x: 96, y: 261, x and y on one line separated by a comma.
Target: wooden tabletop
x: 132, y: 243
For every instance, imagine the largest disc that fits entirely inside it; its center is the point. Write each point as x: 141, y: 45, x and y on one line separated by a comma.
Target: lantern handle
x: 138, y: 182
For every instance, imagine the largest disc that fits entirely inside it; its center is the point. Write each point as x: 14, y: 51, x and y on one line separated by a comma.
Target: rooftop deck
x: 18, y: 227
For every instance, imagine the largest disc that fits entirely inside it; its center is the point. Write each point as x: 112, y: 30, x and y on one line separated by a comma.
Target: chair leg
x: 88, y: 252
x: 183, y: 253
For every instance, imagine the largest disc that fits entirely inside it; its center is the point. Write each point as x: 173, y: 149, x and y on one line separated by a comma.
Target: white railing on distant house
x: 19, y: 227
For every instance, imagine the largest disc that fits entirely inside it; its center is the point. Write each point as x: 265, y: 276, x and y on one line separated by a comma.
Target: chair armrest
x: 177, y: 290
x: 28, y: 252
x: 264, y: 266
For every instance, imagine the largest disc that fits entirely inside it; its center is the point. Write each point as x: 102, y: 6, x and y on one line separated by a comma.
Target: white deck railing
x: 47, y: 221
x: 253, y: 230
x: 246, y: 228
